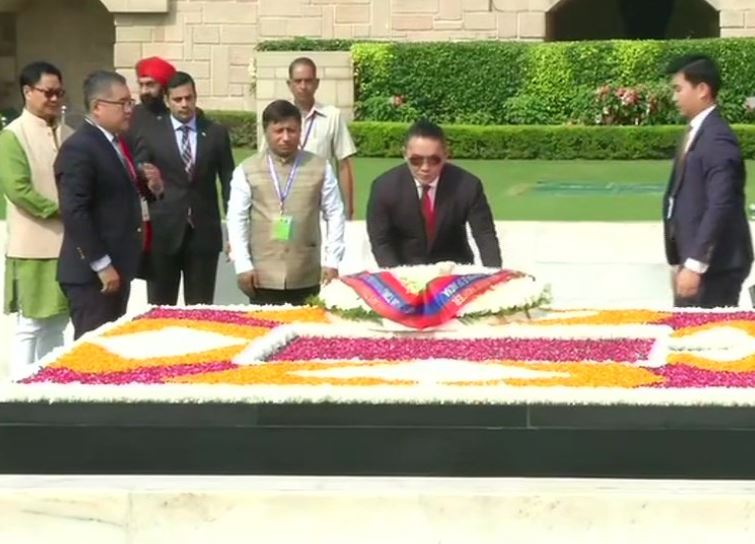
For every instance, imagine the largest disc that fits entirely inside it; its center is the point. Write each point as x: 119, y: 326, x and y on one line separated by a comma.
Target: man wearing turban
x: 152, y: 74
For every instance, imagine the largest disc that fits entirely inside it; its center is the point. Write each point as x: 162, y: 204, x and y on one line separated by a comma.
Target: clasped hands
x: 248, y: 282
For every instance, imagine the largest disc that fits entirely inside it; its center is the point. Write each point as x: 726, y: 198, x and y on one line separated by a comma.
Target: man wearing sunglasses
x: 28, y: 147
x: 418, y: 212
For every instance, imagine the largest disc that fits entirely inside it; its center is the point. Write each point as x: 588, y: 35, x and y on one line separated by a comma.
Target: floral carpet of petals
x: 202, y: 346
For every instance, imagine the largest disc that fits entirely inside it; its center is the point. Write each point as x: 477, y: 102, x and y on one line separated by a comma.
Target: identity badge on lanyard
x: 283, y: 223
x: 308, y: 132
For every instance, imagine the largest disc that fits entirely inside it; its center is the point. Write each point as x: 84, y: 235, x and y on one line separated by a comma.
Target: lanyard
x: 309, y: 130
x: 282, y: 194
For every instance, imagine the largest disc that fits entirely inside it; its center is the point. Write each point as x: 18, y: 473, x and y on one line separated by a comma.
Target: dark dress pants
x: 199, y: 270
x: 90, y: 308
x: 717, y: 289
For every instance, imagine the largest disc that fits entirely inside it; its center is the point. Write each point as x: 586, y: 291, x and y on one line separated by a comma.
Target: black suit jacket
x: 143, y: 119
x: 396, y: 227
x: 708, y: 220
x: 99, y: 206
x: 213, y: 161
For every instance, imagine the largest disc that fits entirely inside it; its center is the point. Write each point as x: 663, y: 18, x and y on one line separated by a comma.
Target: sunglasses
x: 51, y: 93
x: 432, y: 160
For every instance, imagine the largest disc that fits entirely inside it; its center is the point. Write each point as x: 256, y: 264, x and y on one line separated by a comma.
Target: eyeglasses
x: 51, y: 93
x: 125, y: 104
x: 417, y: 160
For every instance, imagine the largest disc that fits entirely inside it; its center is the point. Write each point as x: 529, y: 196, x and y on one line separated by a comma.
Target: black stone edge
x: 211, y: 415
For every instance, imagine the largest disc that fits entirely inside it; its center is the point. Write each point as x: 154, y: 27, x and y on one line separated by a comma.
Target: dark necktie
x: 681, y: 155
x: 428, y: 213
x: 186, y: 155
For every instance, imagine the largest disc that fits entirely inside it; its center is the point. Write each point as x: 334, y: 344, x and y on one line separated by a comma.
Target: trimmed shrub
x: 493, y: 82
x: 540, y: 142
x: 242, y: 126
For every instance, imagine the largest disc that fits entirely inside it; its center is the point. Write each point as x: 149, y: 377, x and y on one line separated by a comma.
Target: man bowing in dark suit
x: 418, y: 212
x: 707, y: 235
x: 192, y: 153
x: 101, y: 206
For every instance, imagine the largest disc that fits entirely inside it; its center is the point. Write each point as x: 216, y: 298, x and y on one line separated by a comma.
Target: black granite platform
x: 339, y: 439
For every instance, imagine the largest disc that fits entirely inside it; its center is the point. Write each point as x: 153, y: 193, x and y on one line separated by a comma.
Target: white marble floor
x: 151, y: 510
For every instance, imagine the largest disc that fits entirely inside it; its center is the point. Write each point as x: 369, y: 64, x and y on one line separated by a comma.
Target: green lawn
x: 524, y: 190
x: 510, y: 188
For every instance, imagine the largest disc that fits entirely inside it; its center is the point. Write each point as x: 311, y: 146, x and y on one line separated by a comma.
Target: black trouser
x: 199, y: 273
x: 277, y: 297
x: 90, y: 308
x: 717, y: 289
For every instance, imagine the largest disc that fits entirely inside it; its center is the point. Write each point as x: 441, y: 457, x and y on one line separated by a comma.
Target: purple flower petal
x: 623, y: 350
x: 216, y: 316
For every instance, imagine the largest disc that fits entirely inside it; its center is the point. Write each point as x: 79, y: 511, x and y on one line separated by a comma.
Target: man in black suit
x: 418, y: 212
x: 706, y: 232
x: 191, y: 153
x: 100, y: 205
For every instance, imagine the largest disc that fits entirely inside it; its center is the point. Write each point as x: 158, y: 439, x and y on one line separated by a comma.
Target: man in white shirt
x: 706, y: 233
x: 274, y: 211
x: 324, y: 131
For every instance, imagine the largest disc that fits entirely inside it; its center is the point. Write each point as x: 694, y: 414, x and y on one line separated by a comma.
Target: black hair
x: 302, y: 61
x: 32, y: 73
x: 99, y: 84
x: 696, y: 69
x: 425, y: 129
x: 278, y: 111
x: 180, y: 79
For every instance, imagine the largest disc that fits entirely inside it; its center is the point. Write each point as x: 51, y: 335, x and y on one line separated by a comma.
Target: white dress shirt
x: 431, y: 192
x: 178, y: 129
x: 238, y: 220
x: 695, y: 123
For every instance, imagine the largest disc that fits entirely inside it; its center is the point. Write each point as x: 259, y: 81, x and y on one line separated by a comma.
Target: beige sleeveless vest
x: 30, y: 237
x: 293, y: 264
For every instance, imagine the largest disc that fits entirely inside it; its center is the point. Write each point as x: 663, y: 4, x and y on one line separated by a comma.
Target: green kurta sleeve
x: 15, y: 179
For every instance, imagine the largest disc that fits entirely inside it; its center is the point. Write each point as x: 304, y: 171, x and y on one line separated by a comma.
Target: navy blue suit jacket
x: 99, y: 206
x: 708, y: 220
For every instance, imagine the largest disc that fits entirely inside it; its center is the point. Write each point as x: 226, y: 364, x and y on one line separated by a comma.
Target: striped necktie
x: 186, y: 155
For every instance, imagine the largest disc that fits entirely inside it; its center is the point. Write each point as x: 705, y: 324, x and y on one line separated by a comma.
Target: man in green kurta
x: 28, y: 147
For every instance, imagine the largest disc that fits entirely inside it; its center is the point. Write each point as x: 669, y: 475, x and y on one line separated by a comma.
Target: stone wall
x: 75, y: 35
x: 334, y: 69
x: 214, y: 39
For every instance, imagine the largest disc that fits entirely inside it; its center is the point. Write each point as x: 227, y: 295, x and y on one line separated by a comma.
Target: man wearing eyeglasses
x: 102, y: 206
x: 28, y: 147
x: 418, y: 212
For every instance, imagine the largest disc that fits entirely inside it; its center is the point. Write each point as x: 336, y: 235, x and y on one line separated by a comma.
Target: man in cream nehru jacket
x: 28, y: 148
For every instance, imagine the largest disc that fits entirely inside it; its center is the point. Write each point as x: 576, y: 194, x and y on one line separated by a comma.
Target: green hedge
x: 485, y: 82
x: 540, y: 142
x: 242, y: 126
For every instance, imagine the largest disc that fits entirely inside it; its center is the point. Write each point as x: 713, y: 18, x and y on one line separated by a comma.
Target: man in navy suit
x: 706, y: 232
x: 100, y: 205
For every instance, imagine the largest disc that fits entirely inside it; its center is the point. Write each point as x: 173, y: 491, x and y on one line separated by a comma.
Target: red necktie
x: 428, y: 213
x: 129, y: 163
